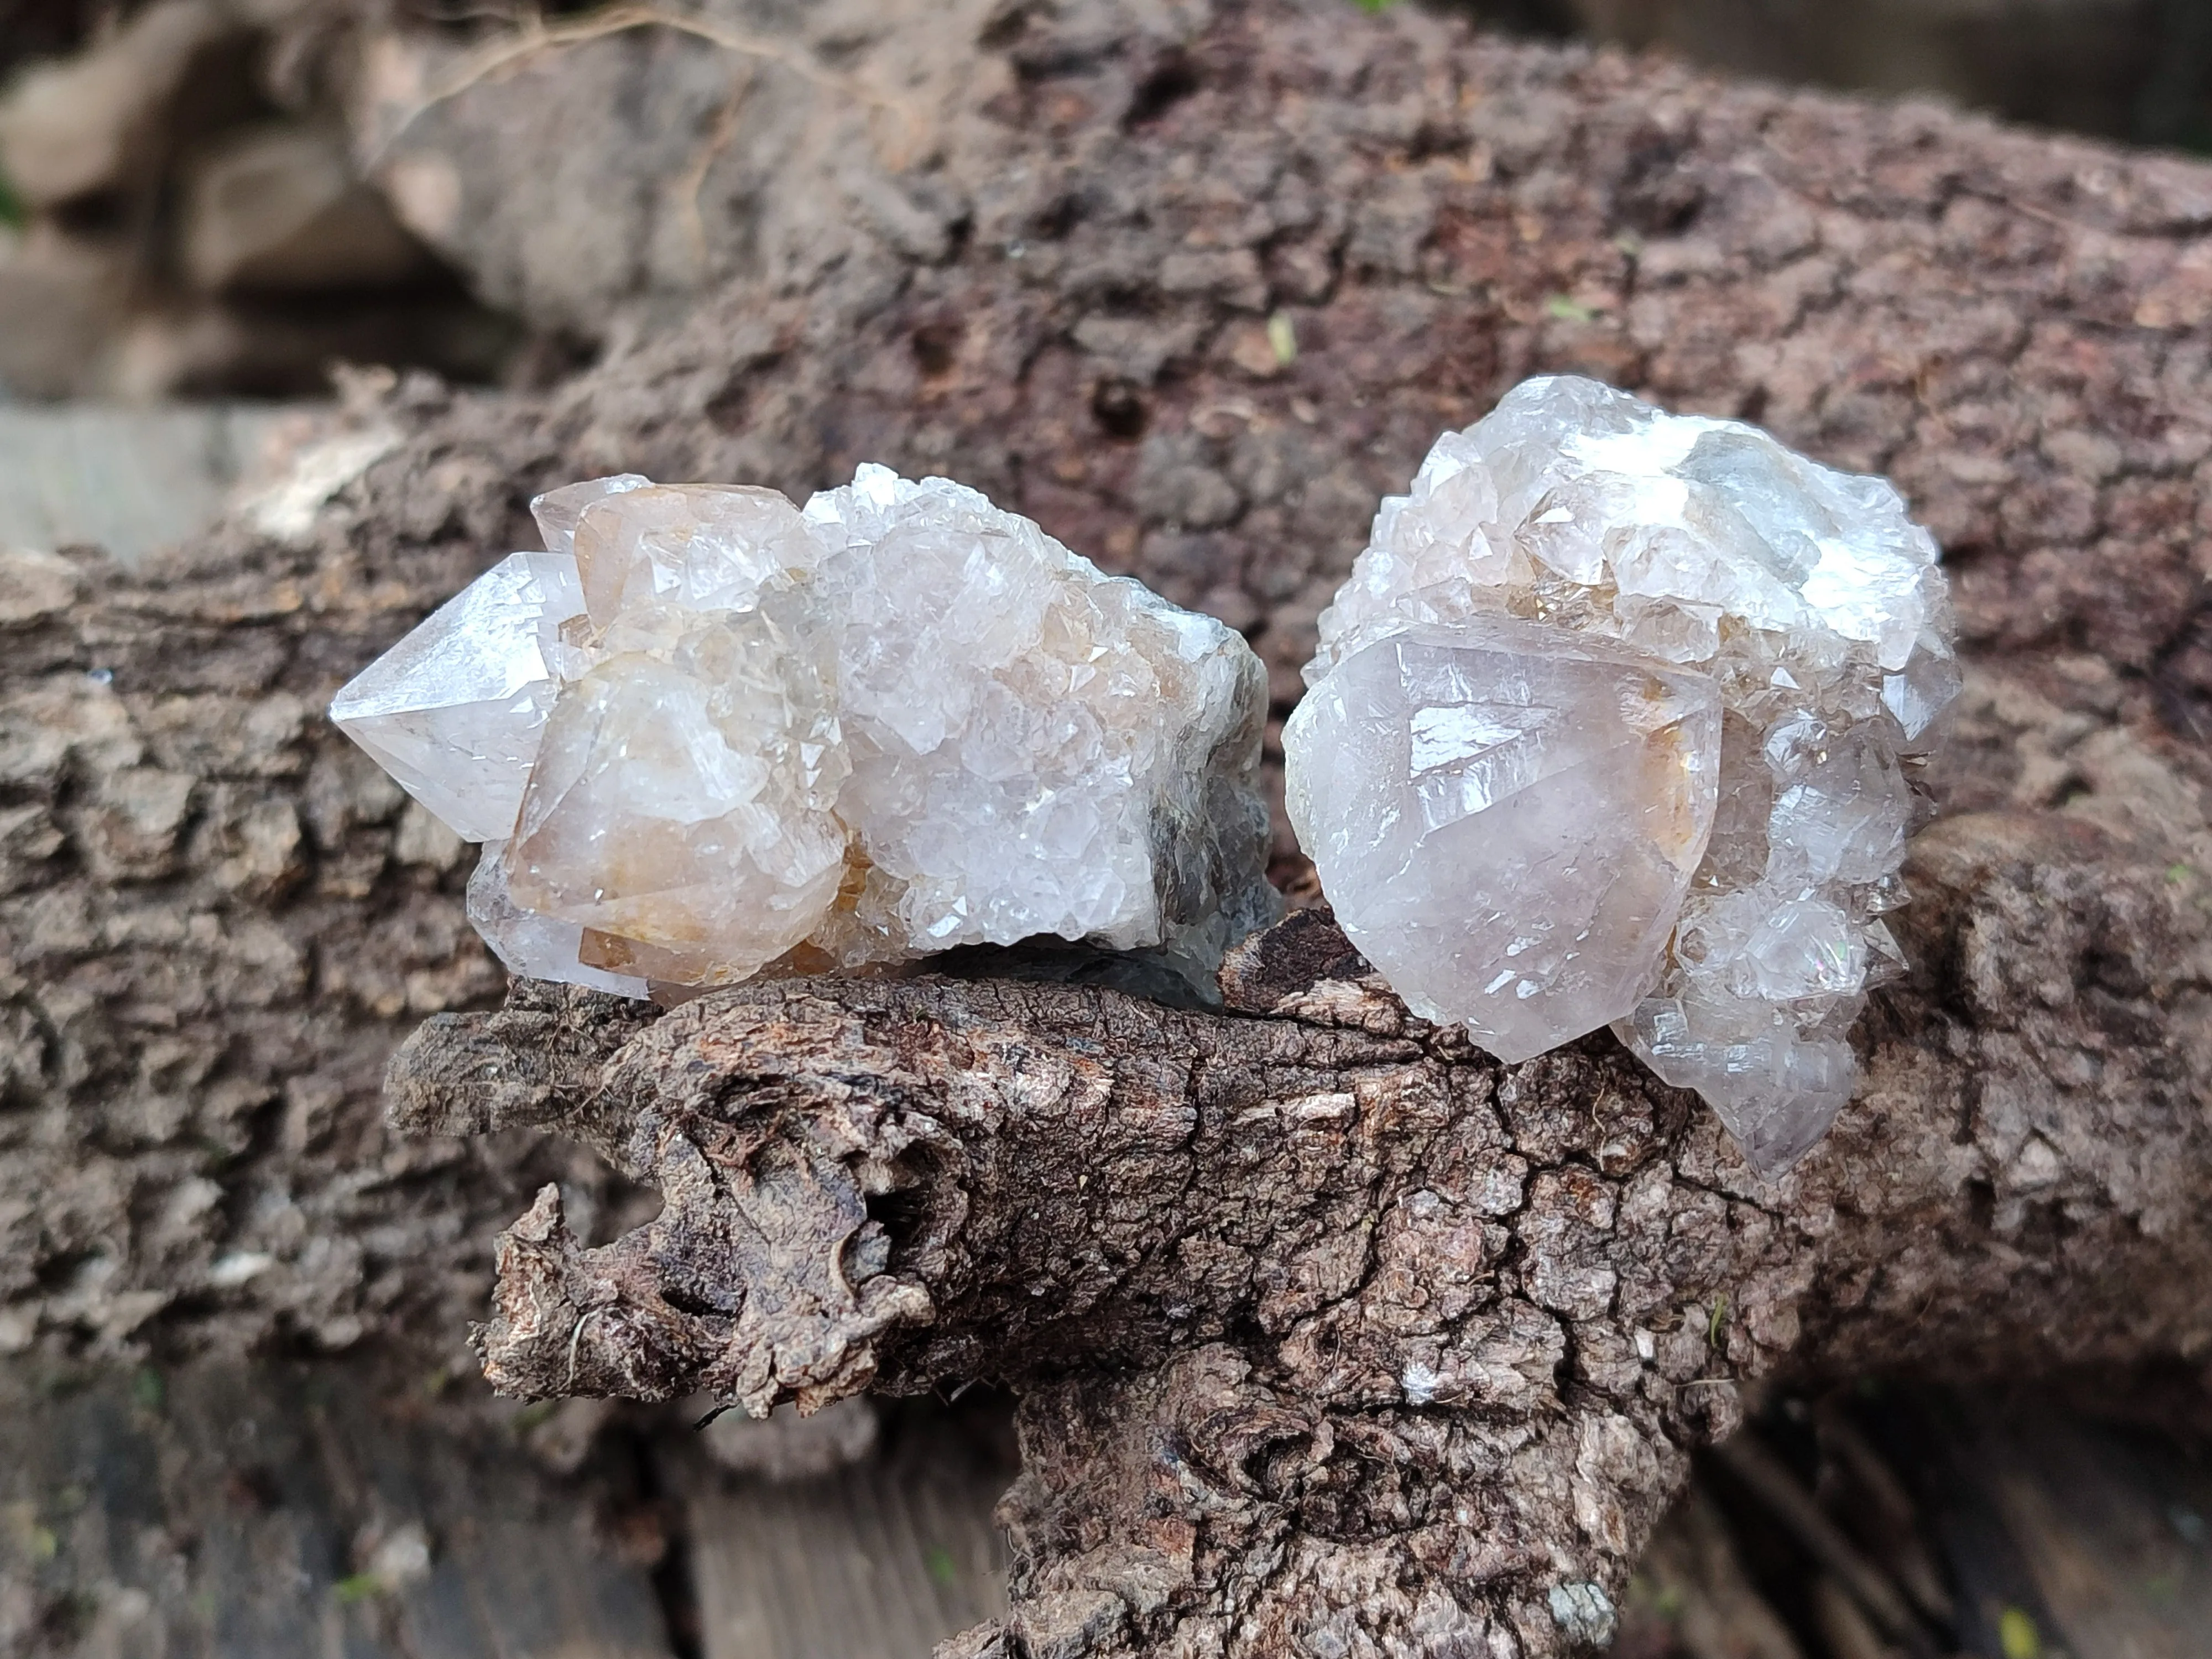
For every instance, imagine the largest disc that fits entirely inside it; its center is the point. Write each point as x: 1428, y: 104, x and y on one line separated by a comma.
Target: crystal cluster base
x: 707, y: 732
x: 1616, y: 722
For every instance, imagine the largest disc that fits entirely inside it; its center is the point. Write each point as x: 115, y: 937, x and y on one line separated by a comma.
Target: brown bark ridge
x: 1334, y: 1337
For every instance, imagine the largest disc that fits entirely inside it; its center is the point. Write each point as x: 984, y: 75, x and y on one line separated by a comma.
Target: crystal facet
x: 1036, y: 748
x: 1596, y: 644
x: 1468, y: 768
x: 711, y: 732
x: 533, y: 947
x: 455, y: 710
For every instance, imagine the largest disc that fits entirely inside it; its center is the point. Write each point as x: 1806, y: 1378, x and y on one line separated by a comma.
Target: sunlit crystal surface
x: 1574, y: 524
x: 900, y: 722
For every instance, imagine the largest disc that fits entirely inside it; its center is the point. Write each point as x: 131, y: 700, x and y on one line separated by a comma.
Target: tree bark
x: 1333, y: 1335
x: 1329, y: 1328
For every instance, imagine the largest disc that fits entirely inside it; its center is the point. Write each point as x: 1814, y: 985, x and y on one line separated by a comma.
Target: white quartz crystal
x: 1444, y: 777
x: 728, y: 734
x: 1615, y: 723
x: 1035, y: 748
x: 534, y: 946
x: 454, y: 710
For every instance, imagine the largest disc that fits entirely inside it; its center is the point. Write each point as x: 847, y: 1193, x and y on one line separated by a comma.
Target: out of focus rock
x: 277, y: 209
x: 788, y: 1447
x: 291, y: 350
x: 160, y: 353
x: 33, y: 585
x: 305, y: 460
x: 276, y: 14
x: 688, y: 148
x: 618, y: 122
x: 2132, y: 68
x: 94, y: 123
x: 184, y: 241
x: 36, y: 30
x: 128, y: 481
x: 61, y: 299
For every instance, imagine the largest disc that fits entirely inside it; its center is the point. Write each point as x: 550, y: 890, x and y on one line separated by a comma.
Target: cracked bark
x: 1331, y: 1332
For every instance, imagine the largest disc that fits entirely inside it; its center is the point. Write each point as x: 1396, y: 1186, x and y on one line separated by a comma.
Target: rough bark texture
x: 1336, y: 1336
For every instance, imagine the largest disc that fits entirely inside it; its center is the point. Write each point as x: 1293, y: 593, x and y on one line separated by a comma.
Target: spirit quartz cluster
x: 706, y: 732
x: 1617, y: 721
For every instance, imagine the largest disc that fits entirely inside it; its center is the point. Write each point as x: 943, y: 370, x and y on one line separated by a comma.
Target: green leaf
x: 1372, y: 6
x: 1568, y: 309
x: 2018, y: 1636
x: 943, y: 1569
x: 13, y: 213
x: 1283, y: 339
x: 357, y: 1588
x: 146, y: 1389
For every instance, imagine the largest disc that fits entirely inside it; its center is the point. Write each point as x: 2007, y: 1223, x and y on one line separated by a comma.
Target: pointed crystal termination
x: 1499, y: 849
x: 706, y: 733
x: 454, y: 711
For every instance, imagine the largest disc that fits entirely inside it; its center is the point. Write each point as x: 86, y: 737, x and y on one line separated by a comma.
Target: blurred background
x: 2139, y: 70
x: 183, y: 213
x: 206, y: 205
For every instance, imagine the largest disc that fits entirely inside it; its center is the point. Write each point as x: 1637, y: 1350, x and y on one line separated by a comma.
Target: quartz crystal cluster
x: 1617, y: 721
x: 707, y: 732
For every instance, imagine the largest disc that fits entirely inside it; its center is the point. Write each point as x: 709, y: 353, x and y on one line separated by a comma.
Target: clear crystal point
x: 1572, y: 524
x: 455, y: 710
x: 559, y: 511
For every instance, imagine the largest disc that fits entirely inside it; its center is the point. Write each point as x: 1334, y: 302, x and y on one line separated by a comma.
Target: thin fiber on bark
x: 1333, y: 1335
